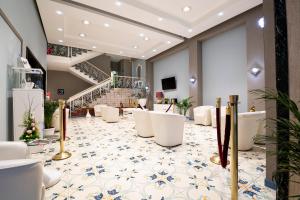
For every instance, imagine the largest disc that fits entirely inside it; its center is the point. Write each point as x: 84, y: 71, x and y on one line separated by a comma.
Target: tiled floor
x: 109, y: 161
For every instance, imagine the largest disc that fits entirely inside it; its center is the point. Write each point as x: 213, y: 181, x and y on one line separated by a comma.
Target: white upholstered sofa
x: 98, y: 109
x: 167, y: 128
x: 202, y: 115
x: 14, y: 157
x: 143, y: 123
x: 110, y: 114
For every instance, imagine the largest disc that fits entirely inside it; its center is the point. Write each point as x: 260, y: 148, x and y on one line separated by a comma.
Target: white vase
x: 48, y: 132
x: 143, y: 102
x: 88, y: 115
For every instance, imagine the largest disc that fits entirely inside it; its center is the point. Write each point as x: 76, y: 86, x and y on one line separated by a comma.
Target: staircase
x: 112, y: 92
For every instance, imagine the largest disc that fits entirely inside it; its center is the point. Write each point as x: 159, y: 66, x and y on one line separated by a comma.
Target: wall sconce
x: 255, y: 70
x: 261, y: 22
x: 193, y: 80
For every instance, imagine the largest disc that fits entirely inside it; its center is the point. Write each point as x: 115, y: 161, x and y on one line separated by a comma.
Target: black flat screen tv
x: 168, y: 83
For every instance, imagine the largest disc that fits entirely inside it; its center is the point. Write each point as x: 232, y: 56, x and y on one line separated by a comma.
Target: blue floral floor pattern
x: 110, y: 162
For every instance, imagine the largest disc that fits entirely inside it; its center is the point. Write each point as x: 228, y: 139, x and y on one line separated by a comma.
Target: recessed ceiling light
x: 168, y: 42
x: 160, y: 19
x: 135, y: 47
x: 86, y: 22
x: 186, y: 9
x: 143, y: 56
x: 141, y: 35
x: 190, y: 30
x: 118, y: 3
x: 94, y: 47
x: 82, y: 35
x: 154, y: 50
x: 60, y: 29
x: 220, y: 14
x: 106, y: 25
x: 121, y: 52
x: 59, y: 12
x: 146, y: 38
x: 61, y: 41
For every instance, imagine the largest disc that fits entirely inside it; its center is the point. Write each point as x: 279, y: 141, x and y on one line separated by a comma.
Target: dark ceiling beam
x: 98, y: 11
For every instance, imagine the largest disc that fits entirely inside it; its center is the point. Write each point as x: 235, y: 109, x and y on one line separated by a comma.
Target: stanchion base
x: 216, y: 160
x: 62, y: 156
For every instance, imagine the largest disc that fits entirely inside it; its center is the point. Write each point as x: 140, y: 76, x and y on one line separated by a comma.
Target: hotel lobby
x: 149, y: 100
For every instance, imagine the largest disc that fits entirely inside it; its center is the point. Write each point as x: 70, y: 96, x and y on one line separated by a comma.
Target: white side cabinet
x: 22, y: 99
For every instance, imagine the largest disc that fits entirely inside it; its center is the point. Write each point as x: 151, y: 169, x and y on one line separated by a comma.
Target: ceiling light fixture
x: 59, y: 12
x: 168, y: 42
x: 61, y: 41
x: 86, y: 22
x: 143, y: 56
x: 190, y: 30
x: 118, y: 3
x: 60, y: 29
x: 154, y: 50
x: 106, y: 25
x: 220, y: 14
x: 94, y: 47
x: 135, y: 47
x: 141, y: 35
x: 186, y: 9
x: 82, y: 35
x: 160, y: 19
x: 121, y: 52
x: 146, y: 38
x: 261, y: 22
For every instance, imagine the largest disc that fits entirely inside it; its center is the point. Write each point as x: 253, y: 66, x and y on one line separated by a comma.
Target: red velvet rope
x: 223, y: 153
x: 64, y: 123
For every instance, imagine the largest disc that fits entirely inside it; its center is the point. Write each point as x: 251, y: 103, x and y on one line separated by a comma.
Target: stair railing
x: 92, y: 71
x: 85, y: 97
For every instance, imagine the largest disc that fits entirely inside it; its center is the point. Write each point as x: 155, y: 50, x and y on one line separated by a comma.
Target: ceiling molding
x: 116, y: 17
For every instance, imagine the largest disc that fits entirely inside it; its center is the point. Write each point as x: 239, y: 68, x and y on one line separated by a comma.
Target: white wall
x: 25, y: 18
x: 225, y: 67
x: 174, y: 65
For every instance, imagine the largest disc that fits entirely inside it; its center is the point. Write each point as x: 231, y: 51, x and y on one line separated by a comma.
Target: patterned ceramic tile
x: 109, y: 161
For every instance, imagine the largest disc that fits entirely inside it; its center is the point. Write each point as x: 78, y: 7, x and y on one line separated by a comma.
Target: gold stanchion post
x: 233, y: 99
x: 62, y: 153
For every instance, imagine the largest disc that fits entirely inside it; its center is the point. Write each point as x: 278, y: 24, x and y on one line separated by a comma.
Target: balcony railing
x: 64, y: 51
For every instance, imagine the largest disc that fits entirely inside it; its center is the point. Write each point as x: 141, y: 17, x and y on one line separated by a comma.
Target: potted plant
x: 184, y: 105
x: 288, y: 133
x: 49, y: 109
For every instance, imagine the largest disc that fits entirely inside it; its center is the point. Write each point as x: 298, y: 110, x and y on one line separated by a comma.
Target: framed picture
x: 60, y: 91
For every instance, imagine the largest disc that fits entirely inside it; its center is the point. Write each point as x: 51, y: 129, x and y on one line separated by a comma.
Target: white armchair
x: 248, y: 127
x: 110, y: 114
x: 14, y: 151
x: 98, y: 109
x: 167, y: 128
x: 143, y: 123
x: 213, y: 115
x: 55, y: 119
x: 16, y: 171
x: 202, y: 115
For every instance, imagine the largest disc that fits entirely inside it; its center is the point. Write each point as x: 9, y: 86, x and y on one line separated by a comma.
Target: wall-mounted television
x: 168, y: 83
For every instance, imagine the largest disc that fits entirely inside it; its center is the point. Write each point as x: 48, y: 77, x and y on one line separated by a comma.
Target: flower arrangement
x: 31, y: 131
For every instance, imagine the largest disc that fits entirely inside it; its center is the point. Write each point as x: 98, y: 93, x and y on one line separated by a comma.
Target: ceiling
x: 134, y: 28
